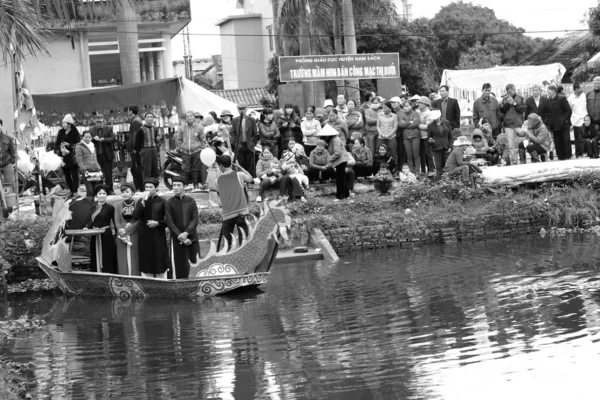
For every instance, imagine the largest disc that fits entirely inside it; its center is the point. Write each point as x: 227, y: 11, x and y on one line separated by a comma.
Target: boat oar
x: 173, y: 259
x: 128, y: 254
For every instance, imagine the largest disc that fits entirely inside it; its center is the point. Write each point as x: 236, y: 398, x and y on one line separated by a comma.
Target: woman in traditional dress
x: 103, y: 246
x: 128, y: 237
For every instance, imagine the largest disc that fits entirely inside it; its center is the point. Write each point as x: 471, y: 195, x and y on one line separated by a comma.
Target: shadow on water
x: 389, y: 324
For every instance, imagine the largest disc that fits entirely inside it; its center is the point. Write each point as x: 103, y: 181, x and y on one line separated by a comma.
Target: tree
x: 203, y: 81
x: 460, y: 26
x: 478, y: 57
x: 415, y: 43
x: 273, y: 75
x: 21, y: 27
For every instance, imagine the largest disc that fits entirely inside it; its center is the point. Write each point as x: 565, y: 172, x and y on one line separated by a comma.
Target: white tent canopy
x: 195, y: 98
x: 466, y: 84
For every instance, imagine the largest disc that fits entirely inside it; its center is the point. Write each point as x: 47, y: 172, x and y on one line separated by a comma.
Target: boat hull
x: 79, y: 283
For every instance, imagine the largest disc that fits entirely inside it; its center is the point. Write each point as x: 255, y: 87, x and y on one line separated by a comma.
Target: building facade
x: 247, y: 44
x: 87, y: 55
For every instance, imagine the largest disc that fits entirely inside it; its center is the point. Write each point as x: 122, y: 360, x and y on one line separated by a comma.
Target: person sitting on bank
x: 364, y: 159
x: 150, y: 212
x: 539, y: 138
x: 234, y: 201
x: 406, y: 176
x: 589, y: 134
x: 85, y: 154
x: 456, y: 165
x: 481, y: 146
x: 319, y: 163
x: 268, y: 171
x: 181, y: 216
x: 384, y: 156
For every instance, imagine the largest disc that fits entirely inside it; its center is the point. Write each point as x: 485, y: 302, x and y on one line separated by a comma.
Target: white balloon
x: 208, y: 157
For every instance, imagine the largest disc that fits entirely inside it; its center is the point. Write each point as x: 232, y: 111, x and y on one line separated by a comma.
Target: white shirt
x: 579, y: 107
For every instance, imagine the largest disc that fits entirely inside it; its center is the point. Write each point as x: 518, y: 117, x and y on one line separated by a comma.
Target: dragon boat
x: 220, y: 271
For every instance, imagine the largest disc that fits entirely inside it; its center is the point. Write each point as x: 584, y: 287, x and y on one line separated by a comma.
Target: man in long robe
x: 181, y: 213
x: 153, y: 252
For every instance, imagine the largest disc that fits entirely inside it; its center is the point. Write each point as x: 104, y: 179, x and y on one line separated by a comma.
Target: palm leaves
x: 20, y: 29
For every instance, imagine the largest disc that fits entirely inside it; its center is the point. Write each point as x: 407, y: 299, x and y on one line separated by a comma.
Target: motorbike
x: 172, y: 167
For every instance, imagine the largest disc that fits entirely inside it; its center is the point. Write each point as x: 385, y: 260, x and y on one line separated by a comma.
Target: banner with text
x: 339, y: 66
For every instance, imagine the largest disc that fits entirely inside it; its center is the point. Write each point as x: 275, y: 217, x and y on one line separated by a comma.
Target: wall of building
x: 264, y: 8
x: 229, y: 54
x: 249, y: 55
x: 60, y: 71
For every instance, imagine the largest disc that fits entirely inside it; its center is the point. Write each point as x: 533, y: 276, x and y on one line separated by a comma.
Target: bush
x: 22, y: 241
x: 436, y: 192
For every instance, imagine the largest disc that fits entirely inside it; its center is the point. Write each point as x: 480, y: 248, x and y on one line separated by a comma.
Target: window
x: 270, y: 31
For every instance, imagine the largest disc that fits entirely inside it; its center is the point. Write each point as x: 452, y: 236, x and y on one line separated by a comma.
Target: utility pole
x: 187, y: 54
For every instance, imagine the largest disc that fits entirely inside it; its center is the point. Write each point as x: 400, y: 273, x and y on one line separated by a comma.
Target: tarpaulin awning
x: 180, y: 92
x: 114, y: 97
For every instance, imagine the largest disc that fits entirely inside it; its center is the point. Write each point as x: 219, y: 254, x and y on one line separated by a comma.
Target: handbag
x: 93, y: 176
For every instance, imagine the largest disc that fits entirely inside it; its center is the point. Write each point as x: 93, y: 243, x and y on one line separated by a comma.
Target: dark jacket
x: 531, y: 108
x: 384, y: 161
x: 590, y: 132
x: 251, y: 132
x: 442, y: 134
x: 408, y: 124
x: 71, y: 139
x: 182, y: 217
x: 487, y: 109
x: 105, y: 147
x: 287, y: 131
x: 593, y: 105
x: 134, y: 127
x: 513, y: 114
x: 452, y: 111
x: 7, y: 150
x: 86, y: 160
x: 559, y: 115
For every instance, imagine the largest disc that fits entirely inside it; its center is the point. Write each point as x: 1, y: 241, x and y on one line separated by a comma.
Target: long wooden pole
x: 13, y: 68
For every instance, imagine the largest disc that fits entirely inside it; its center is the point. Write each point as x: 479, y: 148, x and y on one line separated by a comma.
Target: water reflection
x: 379, y: 325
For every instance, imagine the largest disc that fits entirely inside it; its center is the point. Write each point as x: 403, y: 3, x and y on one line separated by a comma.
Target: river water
x: 512, y: 319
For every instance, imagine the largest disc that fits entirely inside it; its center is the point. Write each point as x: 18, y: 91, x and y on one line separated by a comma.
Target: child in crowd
x: 481, y: 146
x: 384, y: 156
x: 319, y: 163
x: 383, y: 180
x: 290, y: 167
x: 406, y: 176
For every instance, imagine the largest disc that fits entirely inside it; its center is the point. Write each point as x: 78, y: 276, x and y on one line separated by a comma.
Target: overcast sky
x: 532, y: 15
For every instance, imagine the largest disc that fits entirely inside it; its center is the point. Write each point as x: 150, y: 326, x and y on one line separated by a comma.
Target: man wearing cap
x: 327, y: 106
x: 145, y: 146
x: 104, y: 138
x: 150, y: 212
x: 181, y: 216
x: 539, y: 139
x: 198, y: 117
x: 513, y: 107
x: 487, y: 106
x: 190, y: 141
x: 448, y: 106
x: 225, y: 126
x: 320, y: 116
x: 414, y: 101
x: 244, y: 137
x: 234, y: 201
x: 341, y: 106
x: 135, y: 125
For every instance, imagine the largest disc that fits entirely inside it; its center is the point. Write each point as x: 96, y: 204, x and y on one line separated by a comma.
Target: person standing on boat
x: 181, y: 214
x: 128, y: 240
x: 103, y: 246
x: 150, y: 212
x: 234, y: 200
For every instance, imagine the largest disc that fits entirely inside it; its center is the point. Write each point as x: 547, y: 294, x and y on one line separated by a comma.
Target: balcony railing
x: 83, y: 12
